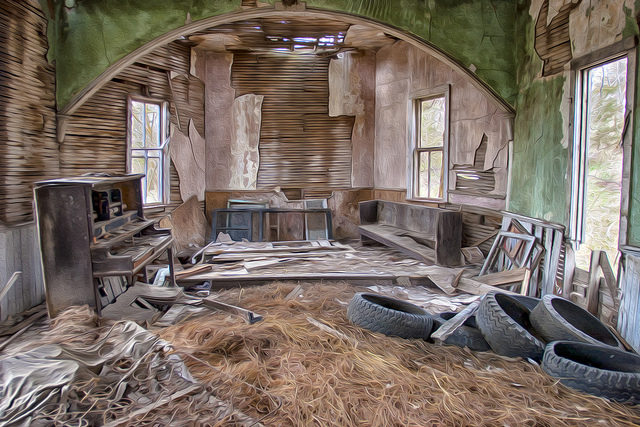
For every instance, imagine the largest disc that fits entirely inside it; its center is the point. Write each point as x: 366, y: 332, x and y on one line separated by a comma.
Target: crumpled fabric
x: 44, y: 375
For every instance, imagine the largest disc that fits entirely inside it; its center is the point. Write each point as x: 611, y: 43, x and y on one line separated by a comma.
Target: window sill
x: 430, y: 201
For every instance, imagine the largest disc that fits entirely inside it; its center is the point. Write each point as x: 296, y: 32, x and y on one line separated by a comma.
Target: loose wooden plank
x: 387, y: 236
x: 503, y: 277
x: 450, y: 326
x: 474, y: 287
x: 249, y: 316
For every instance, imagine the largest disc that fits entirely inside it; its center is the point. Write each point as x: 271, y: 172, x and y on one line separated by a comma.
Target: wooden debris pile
x: 305, y: 364
x: 225, y: 262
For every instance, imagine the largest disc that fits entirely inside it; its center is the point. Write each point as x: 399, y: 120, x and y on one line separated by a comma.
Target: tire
x: 529, y: 302
x: 504, y: 323
x: 595, y: 369
x: 389, y: 316
x: 466, y: 335
x: 557, y: 319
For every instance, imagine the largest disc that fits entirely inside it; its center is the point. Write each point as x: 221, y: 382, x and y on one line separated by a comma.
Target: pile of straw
x: 305, y: 364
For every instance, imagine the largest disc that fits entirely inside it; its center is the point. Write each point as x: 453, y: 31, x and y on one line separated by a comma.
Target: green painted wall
x: 86, y: 36
x: 540, y: 175
x: 538, y: 184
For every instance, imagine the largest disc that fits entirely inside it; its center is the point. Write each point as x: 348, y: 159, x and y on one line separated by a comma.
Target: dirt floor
x: 304, y: 364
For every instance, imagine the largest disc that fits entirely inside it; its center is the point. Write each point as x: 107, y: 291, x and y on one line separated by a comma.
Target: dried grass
x: 287, y: 371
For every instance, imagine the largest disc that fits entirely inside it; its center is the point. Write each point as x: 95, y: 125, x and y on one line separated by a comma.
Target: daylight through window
x: 429, y: 147
x: 598, y: 159
x: 147, y: 148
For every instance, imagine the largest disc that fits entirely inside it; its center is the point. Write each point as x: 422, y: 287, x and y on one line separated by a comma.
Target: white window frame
x: 577, y: 161
x: 414, y: 133
x: 165, y: 172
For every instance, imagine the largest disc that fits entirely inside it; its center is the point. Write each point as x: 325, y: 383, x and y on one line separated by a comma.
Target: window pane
x: 154, y: 153
x: 423, y: 174
x: 432, y: 122
x: 137, y: 165
x: 137, y: 124
x: 137, y: 153
x: 435, y: 175
x: 606, y: 98
x: 153, y: 181
x: 152, y: 126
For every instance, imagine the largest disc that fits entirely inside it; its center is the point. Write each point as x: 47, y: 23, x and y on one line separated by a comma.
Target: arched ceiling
x: 90, y: 40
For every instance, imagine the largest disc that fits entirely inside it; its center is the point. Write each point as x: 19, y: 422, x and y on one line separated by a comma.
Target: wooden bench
x: 432, y: 235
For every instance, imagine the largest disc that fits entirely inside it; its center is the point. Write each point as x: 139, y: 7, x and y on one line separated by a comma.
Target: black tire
x: 389, y: 316
x: 466, y: 335
x: 557, y: 319
x: 595, y: 369
x: 504, y: 323
x: 529, y: 302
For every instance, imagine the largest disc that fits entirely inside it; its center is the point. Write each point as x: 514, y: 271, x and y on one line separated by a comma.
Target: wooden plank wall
x: 300, y: 145
x: 28, y: 144
x: 95, y: 139
x: 553, y: 42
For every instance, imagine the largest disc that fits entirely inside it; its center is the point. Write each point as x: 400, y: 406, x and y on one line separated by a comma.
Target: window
x: 598, y: 158
x: 429, y: 145
x: 147, y: 151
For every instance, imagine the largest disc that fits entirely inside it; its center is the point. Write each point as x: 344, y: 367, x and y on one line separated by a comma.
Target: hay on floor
x: 286, y: 370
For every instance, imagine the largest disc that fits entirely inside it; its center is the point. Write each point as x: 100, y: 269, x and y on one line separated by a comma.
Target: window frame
x: 577, y: 143
x: 165, y: 172
x: 413, y: 154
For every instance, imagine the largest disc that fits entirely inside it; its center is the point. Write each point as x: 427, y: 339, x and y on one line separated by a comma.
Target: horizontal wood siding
x: 28, y: 144
x: 300, y: 145
x: 553, y: 42
x: 96, y: 134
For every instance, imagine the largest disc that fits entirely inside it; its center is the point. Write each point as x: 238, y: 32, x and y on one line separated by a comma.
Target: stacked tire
x: 569, y: 343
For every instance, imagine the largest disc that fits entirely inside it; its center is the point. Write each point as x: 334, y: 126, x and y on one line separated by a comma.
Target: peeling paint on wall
x: 401, y: 72
x: 539, y: 181
x: 187, y: 154
x: 598, y: 24
x: 245, y: 137
x: 352, y: 92
x: 541, y: 143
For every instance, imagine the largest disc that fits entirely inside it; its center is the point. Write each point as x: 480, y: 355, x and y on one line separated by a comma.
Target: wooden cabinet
x: 92, y: 229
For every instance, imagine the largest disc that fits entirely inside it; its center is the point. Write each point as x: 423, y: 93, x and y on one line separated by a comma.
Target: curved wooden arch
x: 261, y: 12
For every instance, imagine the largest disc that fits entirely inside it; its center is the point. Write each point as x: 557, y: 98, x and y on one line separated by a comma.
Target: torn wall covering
x: 245, y: 137
x: 93, y: 34
x: 352, y: 93
x: 402, y: 71
x: 187, y: 154
x: 541, y: 184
